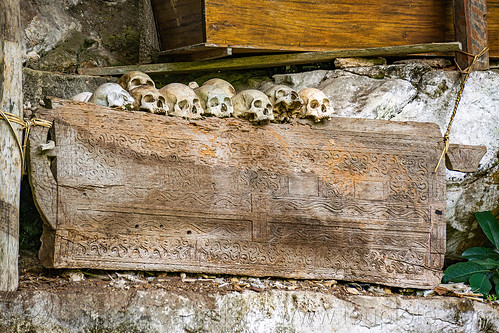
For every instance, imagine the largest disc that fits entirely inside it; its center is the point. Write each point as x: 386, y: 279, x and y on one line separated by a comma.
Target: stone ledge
x: 104, y: 310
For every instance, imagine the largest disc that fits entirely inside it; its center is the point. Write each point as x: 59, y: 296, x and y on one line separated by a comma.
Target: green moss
x: 124, y: 44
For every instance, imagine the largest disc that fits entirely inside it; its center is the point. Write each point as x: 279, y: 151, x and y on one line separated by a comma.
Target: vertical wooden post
x: 149, y: 41
x: 470, y: 28
x: 10, y: 156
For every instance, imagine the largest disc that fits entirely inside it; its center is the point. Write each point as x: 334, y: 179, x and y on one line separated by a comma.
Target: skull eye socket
x: 314, y: 104
x: 281, y: 93
x: 135, y: 82
x: 195, y: 102
x: 325, y: 102
x: 161, y: 101
x: 227, y: 101
x: 294, y: 95
x: 267, y: 110
x: 257, y: 103
x: 183, y: 104
x: 213, y: 102
x: 150, y: 83
x: 149, y: 98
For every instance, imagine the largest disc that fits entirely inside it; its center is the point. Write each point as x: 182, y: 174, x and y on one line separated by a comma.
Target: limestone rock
x: 301, y: 81
x: 38, y: 84
x: 62, y: 35
x: 433, y: 62
x: 364, y: 97
x: 105, y: 310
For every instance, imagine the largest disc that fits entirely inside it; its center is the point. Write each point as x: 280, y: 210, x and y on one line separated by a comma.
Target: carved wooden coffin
x: 348, y: 199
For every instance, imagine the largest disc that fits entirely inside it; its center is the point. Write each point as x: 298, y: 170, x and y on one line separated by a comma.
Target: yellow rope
x: 467, y: 72
x: 26, y: 125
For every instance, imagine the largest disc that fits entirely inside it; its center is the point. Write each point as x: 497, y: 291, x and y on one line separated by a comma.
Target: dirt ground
x: 33, y: 276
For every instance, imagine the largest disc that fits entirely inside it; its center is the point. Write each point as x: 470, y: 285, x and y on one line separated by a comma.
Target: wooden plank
x: 348, y: 199
x: 214, y: 53
x: 322, y: 25
x: 471, y: 30
x: 179, y: 23
x: 271, y: 60
x: 10, y: 156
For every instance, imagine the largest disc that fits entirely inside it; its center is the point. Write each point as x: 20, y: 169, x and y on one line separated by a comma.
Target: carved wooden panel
x: 348, y: 199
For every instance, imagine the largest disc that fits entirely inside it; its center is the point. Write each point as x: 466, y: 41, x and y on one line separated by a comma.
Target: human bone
x: 215, y: 101
x: 229, y: 88
x: 316, y: 104
x: 149, y: 99
x: 82, y: 97
x: 185, y: 102
x: 111, y: 95
x: 193, y: 85
x: 134, y: 79
x: 286, y: 102
x: 253, y: 105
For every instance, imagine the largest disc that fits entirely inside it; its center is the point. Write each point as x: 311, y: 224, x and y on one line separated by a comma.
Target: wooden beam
x: 272, y: 60
x: 10, y: 156
x: 215, y: 53
x: 470, y: 29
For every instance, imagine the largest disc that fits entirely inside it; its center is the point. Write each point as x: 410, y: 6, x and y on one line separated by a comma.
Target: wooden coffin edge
x: 40, y: 177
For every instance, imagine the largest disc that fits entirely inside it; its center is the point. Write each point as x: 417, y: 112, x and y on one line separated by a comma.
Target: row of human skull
x: 216, y: 97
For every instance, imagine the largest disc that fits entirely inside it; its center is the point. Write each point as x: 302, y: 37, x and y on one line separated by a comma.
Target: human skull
x: 149, y: 99
x: 285, y: 101
x: 215, y: 101
x: 316, y: 105
x: 229, y: 89
x: 111, y: 95
x: 82, y: 97
x: 134, y: 79
x: 186, y: 103
x: 253, y: 105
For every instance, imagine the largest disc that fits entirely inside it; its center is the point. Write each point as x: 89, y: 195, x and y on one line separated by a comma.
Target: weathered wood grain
x: 297, y: 25
x: 179, y: 23
x: 10, y: 155
x: 348, y: 199
x: 321, y: 25
x: 149, y: 44
x: 470, y: 29
x: 271, y: 60
x: 492, y: 19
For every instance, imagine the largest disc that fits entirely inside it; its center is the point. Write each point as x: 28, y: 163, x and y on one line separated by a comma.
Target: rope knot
x: 26, y: 125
